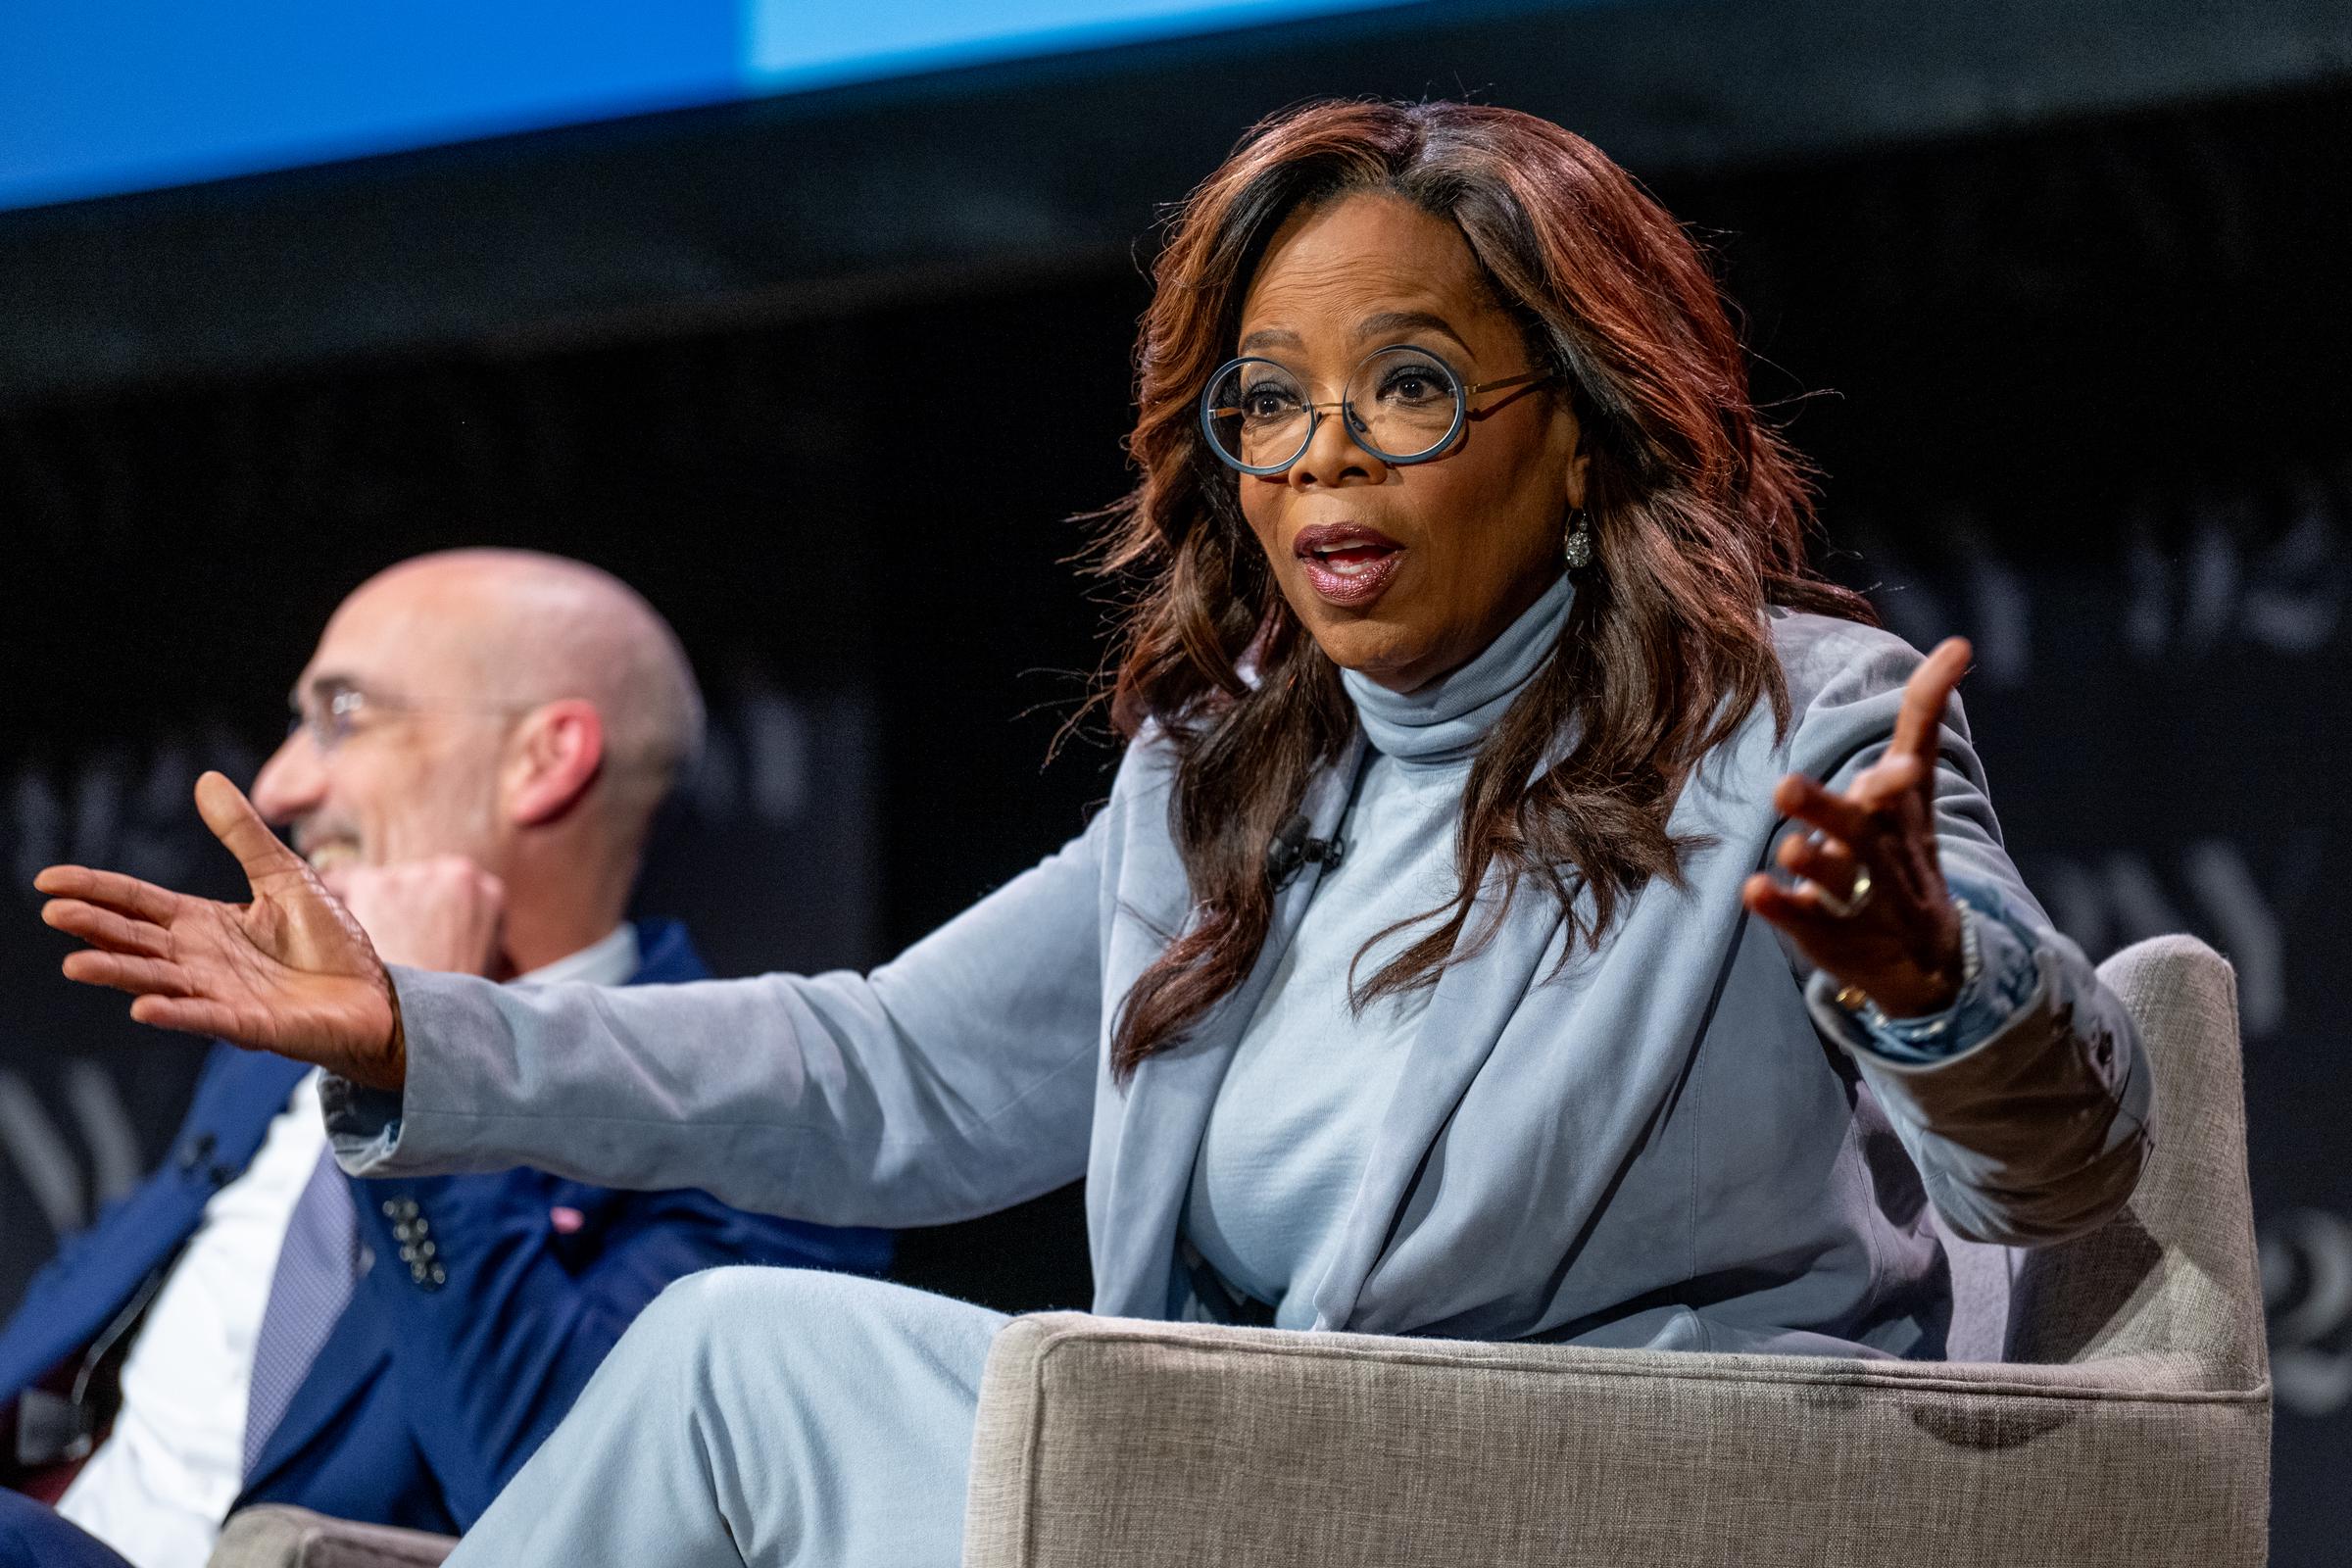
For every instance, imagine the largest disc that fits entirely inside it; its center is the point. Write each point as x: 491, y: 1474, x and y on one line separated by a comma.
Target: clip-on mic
x: 1292, y: 849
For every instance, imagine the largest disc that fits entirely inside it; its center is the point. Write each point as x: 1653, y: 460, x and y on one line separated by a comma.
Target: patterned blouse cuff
x: 363, y: 1124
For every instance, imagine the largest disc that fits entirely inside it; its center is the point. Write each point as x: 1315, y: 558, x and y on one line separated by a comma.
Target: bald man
x: 482, y: 740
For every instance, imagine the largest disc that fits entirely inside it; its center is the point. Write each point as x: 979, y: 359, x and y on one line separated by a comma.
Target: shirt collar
x: 605, y: 962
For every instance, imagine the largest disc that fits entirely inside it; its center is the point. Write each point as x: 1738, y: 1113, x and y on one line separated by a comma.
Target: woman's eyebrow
x: 1387, y: 322
x: 1406, y: 321
x: 1270, y: 337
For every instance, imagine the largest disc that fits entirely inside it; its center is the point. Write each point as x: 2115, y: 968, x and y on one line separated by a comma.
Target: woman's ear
x: 554, y: 755
x: 1580, y: 457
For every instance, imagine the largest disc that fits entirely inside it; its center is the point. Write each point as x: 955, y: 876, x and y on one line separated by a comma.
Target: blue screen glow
x: 104, y: 96
x: 794, y: 43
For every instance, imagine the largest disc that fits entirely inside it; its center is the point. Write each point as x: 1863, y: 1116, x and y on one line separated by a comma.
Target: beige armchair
x: 2125, y: 1422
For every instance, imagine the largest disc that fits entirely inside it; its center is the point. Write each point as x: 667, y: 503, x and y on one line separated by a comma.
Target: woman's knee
x: 753, y: 1322
x: 747, y: 1311
x: 718, y: 1298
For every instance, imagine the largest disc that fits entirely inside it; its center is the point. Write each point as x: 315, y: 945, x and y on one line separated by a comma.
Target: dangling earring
x: 1577, y: 549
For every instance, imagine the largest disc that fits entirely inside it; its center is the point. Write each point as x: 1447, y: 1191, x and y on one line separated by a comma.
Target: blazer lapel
x: 238, y: 1094
x: 1466, y: 1015
x: 254, y: 1087
x: 1475, y: 1002
x: 357, y: 1350
x: 1167, y: 1103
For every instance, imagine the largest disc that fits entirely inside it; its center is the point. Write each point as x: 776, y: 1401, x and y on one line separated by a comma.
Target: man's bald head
x: 524, y: 711
x: 518, y: 629
x: 519, y: 711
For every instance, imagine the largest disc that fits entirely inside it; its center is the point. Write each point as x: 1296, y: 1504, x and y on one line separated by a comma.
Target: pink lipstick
x: 1347, y: 564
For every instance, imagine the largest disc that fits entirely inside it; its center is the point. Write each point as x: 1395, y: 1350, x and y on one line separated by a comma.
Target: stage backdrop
x: 2077, y: 394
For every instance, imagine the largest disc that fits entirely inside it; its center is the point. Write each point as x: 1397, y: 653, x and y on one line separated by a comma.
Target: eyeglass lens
x: 331, y: 722
x: 1400, y: 404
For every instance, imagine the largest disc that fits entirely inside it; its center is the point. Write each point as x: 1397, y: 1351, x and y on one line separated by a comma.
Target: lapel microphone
x: 1292, y: 849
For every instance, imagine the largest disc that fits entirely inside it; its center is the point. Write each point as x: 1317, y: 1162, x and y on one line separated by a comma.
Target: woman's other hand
x: 289, y: 973
x: 1900, y: 946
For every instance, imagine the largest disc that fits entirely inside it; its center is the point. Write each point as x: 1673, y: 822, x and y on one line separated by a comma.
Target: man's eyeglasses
x: 1403, y: 405
x: 345, y: 711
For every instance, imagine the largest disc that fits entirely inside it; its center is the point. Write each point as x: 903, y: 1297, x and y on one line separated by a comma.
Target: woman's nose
x: 1334, y: 455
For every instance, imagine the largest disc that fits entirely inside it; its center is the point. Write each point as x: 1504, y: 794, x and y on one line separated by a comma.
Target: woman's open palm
x: 289, y: 973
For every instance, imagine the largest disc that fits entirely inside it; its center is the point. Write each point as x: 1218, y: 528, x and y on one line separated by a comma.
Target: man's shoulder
x: 665, y: 956
x: 236, y: 1093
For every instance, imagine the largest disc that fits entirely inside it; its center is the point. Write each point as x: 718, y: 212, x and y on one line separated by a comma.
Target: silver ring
x: 1846, y: 907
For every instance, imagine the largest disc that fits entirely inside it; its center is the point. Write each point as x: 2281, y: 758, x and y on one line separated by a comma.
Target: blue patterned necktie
x: 317, y: 1269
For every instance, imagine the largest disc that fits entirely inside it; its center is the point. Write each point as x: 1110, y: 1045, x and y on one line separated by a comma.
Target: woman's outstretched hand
x: 290, y: 972
x: 1900, y: 946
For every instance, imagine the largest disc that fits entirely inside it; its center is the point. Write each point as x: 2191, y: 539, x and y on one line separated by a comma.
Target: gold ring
x: 1846, y: 907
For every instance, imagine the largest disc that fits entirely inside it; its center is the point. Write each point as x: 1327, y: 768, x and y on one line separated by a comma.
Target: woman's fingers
x: 236, y: 824
x: 1805, y: 801
x: 122, y: 972
x: 1881, y: 823
x: 1925, y: 697
x: 190, y: 1014
x: 1828, y: 862
x: 112, y: 889
x: 1882, y: 787
x: 103, y: 929
x: 1797, y: 910
x: 1871, y: 806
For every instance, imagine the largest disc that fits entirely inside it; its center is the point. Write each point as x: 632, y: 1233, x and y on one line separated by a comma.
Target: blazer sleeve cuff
x: 2034, y: 1133
x: 1996, y: 994
x: 372, y: 1131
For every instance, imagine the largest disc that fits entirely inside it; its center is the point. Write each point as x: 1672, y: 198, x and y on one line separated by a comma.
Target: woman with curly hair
x: 1533, y: 905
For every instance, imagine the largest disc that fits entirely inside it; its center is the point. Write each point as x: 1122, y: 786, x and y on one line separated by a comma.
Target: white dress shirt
x: 158, y: 1486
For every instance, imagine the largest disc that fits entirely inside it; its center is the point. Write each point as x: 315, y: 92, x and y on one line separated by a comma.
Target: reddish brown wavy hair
x: 1700, y: 510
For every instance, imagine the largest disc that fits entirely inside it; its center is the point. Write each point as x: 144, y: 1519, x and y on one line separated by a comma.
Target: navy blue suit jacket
x: 432, y: 1392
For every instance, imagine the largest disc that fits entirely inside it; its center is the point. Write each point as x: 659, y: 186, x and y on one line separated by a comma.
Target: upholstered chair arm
x: 274, y: 1535
x: 1107, y: 1441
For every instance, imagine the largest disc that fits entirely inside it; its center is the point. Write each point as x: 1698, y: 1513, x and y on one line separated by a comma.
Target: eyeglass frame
x: 1463, y: 413
x: 331, y: 727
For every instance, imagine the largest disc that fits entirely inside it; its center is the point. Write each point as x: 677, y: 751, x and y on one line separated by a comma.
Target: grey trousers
x: 760, y: 1416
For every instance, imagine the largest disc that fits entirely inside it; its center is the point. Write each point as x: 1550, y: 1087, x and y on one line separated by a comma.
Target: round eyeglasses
x: 1403, y: 405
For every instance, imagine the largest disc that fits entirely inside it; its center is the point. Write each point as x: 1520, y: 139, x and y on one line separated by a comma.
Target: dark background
x: 2055, y: 294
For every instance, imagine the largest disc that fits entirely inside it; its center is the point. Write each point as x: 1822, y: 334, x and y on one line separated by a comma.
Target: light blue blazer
x: 1662, y: 1145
